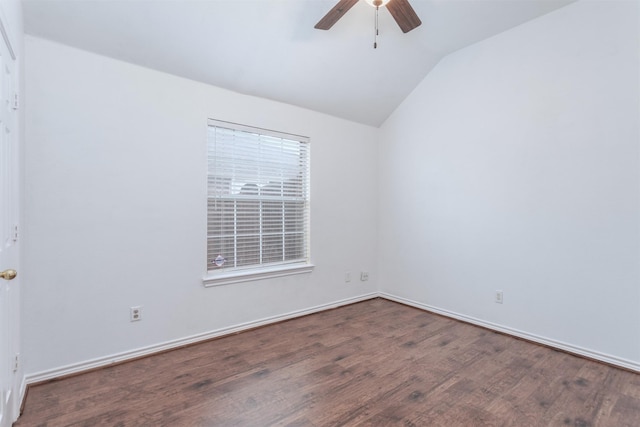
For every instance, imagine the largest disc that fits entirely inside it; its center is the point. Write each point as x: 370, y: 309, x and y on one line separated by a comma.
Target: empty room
x: 320, y: 213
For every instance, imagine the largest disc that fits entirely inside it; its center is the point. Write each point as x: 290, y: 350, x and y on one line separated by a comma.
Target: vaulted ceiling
x: 269, y: 48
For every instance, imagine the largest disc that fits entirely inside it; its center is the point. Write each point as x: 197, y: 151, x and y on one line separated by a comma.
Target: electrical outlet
x: 135, y: 313
x: 499, y: 297
x: 347, y: 277
x: 364, y: 276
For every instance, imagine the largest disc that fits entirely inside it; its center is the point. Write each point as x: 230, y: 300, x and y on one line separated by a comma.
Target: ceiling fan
x: 401, y: 11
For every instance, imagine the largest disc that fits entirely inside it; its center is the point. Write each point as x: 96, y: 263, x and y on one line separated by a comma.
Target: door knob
x: 9, y: 274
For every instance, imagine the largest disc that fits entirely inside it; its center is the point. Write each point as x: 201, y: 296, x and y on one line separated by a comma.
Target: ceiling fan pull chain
x: 375, y: 37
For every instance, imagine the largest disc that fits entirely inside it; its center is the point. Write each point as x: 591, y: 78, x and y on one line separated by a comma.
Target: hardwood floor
x: 375, y: 363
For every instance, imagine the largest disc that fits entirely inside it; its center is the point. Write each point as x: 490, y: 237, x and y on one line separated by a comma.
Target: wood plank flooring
x: 374, y: 363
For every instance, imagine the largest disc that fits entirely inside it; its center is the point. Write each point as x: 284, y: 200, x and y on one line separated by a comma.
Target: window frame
x: 259, y: 271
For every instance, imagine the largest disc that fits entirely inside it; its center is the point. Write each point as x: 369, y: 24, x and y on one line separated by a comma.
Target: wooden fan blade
x: 335, y: 14
x: 404, y: 15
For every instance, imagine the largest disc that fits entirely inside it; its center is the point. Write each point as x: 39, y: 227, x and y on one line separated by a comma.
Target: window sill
x: 257, y: 274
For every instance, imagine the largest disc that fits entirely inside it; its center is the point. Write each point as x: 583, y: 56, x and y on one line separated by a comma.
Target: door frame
x: 10, y: 361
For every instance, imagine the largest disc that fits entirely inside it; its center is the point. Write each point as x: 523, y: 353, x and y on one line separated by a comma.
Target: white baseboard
x: 612, y: 360
x: 145, y: 351
x: 156, y: 348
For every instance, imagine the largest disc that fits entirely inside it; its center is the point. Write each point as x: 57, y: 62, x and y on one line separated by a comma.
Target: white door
x: 9, y: 202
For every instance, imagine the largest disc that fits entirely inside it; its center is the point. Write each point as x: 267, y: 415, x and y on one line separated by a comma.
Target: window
x: 258, y: 203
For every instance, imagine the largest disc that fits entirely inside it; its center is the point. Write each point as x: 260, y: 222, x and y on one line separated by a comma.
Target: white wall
x: 115, y: 209
x: 515, y: 166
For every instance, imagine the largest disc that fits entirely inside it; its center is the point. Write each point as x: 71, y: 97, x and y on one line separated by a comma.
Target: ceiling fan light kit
x: 400, y: 10
x: 377, y: 3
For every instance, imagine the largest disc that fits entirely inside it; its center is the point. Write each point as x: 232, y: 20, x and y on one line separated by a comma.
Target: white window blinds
x: 258, y: 198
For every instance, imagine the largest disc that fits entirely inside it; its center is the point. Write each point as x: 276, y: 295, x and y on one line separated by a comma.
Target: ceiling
x: 269, y: 48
